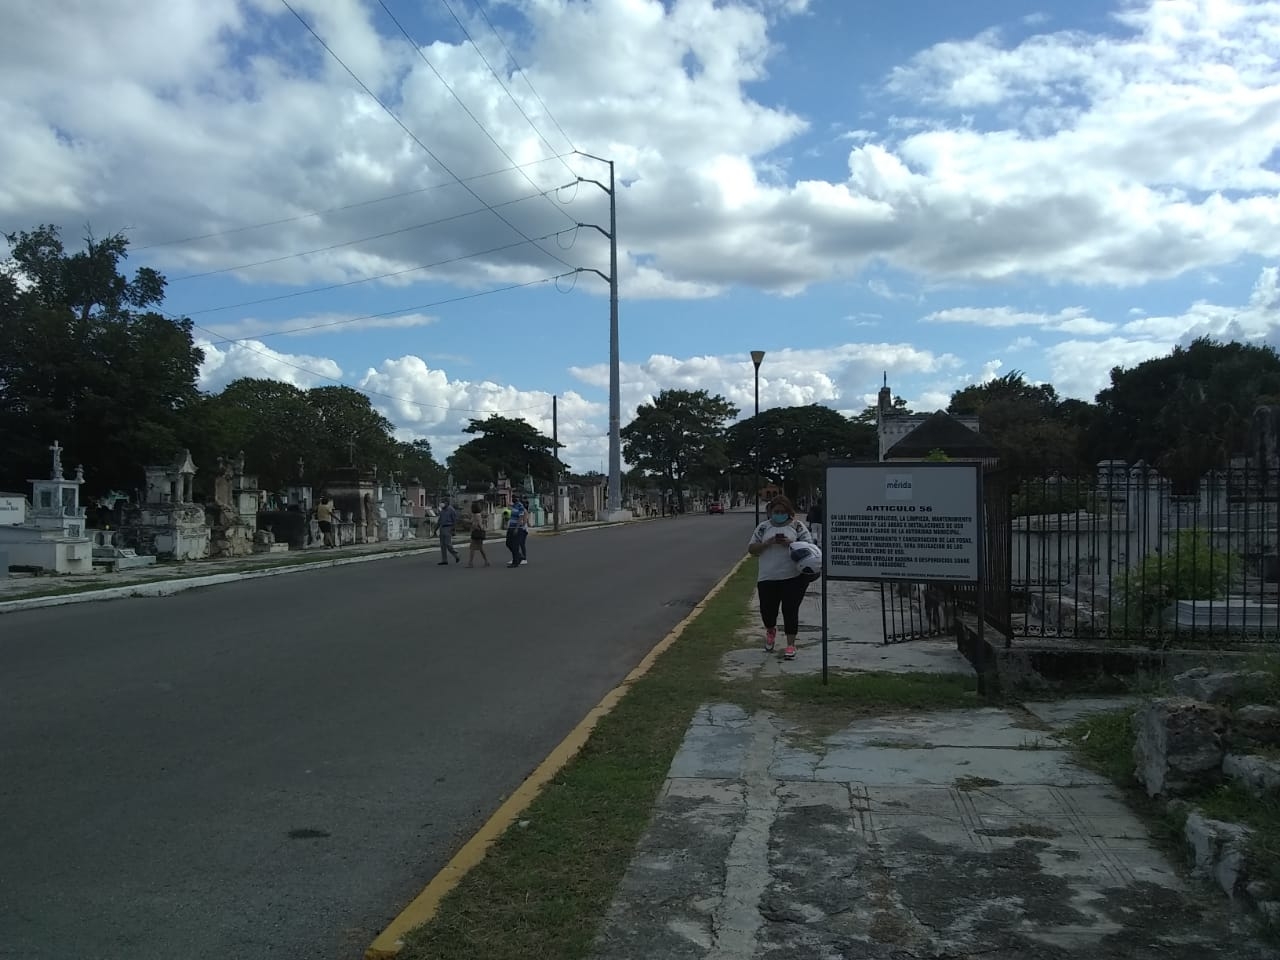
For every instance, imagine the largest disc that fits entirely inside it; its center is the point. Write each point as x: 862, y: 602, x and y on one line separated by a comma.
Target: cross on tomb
x: 351, y: 448
x: 57, y: 460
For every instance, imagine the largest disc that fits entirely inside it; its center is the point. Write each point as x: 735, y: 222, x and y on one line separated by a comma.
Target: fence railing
x: 1117, y: 556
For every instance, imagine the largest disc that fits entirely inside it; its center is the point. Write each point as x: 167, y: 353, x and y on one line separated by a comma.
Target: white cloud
x: 1070, y: 320
x: 1093, y: 158
x: 252, y: 358
x: 1078, y: 371
x: 1022, y: 343
x: 427, y: 402
x: 313, y: 324
x: 1075, y: 370
x: 787, y: 377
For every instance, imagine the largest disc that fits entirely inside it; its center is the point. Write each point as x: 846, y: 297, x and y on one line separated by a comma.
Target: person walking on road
x: 524, y: 532
x: 477, y: 535
x: 779, y: 584
x: 445, y: 523
x: 515, y: 522
x: 815, y: 520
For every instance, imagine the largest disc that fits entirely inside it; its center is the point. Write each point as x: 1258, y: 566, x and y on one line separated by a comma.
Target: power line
x: 350, y: 243
x: 347, y: 206
x: 381, y: 276
x: 466, y: 33
x: 520, y: 70
x: 440, y: 163
x: 374, y: 393
x: 391, y: 313
x: 467, y: 110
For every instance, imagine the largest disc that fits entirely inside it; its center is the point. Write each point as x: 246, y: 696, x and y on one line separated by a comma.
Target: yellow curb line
x: 424, y: 906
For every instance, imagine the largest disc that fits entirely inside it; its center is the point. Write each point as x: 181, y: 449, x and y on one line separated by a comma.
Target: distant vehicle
x: 715, y: 507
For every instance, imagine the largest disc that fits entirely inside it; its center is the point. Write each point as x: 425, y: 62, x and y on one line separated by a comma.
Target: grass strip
x: 545, y: 885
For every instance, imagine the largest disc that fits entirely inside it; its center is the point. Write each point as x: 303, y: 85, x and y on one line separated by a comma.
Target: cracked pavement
x: 953, y: 834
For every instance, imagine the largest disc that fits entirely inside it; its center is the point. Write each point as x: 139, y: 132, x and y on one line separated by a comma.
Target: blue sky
x: 944, y: 191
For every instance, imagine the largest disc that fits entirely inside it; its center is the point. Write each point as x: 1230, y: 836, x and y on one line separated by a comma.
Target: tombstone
x: 113, y: 557
x: 52, y: 536
x: 1264, y: 438
x: 352, y: 491
x: 396, y: 518
x: 168, y: 523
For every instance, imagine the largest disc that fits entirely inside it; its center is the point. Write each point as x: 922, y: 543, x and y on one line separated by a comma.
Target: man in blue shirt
x: 445, y: 523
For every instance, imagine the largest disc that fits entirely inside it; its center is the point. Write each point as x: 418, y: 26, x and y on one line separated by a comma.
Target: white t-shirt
x: 775, y: 561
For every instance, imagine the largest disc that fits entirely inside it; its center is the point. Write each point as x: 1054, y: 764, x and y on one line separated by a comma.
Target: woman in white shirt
x: 779, y: 584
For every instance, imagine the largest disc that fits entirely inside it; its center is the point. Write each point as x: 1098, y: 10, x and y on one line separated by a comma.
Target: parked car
x: 715, y: 507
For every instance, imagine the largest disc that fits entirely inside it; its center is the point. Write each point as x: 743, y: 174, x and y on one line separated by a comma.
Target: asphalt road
x: 274, y: 768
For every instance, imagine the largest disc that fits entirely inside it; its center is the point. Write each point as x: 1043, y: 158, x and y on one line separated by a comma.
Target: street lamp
x: 756, y: 357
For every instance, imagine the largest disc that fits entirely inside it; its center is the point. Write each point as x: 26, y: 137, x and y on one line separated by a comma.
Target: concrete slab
x: 1060, y: 714
x: 850, y: 846
x: 947, y: 728
x: 855, y: 641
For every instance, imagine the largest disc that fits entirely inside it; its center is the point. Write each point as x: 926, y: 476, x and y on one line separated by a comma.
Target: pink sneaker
x: 770, y: 636
x: 789, y: 653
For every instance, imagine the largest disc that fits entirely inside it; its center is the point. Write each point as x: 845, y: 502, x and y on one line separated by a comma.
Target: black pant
x: 787, y: 594
x: 513, y: 544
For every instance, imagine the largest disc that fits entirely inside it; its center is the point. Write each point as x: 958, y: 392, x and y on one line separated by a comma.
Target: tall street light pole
x: 757, y: 356
x: 614, y: 501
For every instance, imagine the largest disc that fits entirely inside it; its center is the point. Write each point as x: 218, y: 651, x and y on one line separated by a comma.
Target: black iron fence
x: 916, y: 611
x: 1117, y: 556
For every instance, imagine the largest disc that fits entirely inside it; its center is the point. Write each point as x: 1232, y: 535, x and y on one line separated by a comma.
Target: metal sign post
x: 912, y: 522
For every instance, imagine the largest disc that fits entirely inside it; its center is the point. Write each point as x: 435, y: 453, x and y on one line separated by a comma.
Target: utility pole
x: 614, y: 502
x: 555, y: 446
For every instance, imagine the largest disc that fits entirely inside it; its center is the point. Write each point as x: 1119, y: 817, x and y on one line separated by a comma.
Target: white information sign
x: 903, y: 521
x: 13, y: 510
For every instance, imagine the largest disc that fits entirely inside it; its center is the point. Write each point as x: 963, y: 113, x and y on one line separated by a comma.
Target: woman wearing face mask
x: 779, y: 584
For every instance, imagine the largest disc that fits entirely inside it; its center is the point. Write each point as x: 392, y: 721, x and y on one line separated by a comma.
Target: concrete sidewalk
x: 950, y: 835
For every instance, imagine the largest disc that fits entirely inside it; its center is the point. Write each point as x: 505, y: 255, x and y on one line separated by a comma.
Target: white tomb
x: 394, y: 515
x: 53, y: 536
x: 170, y: 524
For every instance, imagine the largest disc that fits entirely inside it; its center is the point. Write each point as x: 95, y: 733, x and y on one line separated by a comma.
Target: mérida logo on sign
x: 897, y: 486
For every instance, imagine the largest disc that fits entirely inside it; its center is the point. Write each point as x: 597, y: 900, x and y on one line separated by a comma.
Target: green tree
x: 1035, y: 431
x: 351, y: 431
x: 677, y: 432
x: 795, y: 441
x: 416, y: 461
x: 1187, y: 412
x: 505, y: 445
x: 86, y: 358
x: 270, y: 421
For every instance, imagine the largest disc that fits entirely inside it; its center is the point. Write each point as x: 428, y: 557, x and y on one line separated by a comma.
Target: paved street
x: 274, y: 768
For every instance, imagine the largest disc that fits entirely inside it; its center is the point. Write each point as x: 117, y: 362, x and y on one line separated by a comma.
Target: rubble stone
x: 1179, y: 745
x: 1258, y: 723
x: 1259, y: 775
x: 1220, y: 686
x: 1219, y: 851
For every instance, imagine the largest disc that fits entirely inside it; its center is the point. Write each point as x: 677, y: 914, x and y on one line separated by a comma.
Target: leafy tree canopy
x: 86, y: 358
x: 678, y: 435
x: 794, y: 441
x: 505, y: 445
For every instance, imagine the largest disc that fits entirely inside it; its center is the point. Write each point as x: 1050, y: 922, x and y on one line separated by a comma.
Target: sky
x: 938, y: 191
